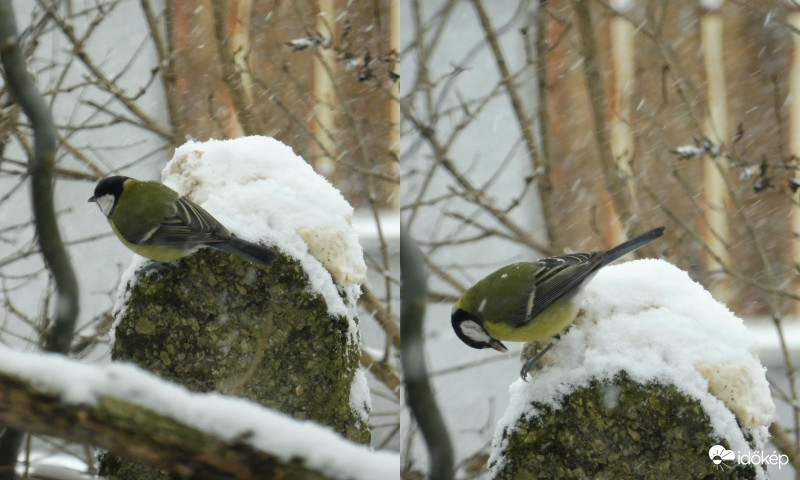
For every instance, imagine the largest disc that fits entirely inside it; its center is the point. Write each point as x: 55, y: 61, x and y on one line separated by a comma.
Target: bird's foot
x: 532, y: 362
x: 151, y: 267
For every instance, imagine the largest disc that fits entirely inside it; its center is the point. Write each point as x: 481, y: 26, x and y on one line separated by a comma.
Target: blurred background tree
x: 128, y: 82
x: 536, y: 128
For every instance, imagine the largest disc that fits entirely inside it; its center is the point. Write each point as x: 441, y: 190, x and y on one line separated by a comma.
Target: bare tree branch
x: 55, y: 255
x: 419, y: 395
x: 165, y: 50
x: 126, y: 427
x: 538, y: 164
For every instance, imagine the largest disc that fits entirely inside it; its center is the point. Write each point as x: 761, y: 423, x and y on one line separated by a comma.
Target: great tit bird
x: 154, y: 221
x: 531, y: 301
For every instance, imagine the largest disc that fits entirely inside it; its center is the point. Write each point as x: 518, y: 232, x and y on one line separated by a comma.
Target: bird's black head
x: 469, y: 329
x: 107, y: 192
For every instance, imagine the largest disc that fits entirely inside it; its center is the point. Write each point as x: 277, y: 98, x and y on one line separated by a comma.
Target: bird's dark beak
x: 497, y: 345
x: 92, y: 198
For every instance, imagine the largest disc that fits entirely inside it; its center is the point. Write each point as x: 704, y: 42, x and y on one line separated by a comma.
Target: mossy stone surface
x: 616, y: 429
x: 215, y: 322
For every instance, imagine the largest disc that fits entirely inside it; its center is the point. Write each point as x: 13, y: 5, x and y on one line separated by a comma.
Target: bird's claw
x: 151, y: 267
x: 530, y: 363
x: 525, y: 368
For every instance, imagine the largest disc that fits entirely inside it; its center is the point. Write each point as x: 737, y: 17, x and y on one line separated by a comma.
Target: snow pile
x: 360, y: 398
x: 46, y: 465
x: 229, y: 418
x: 649, y: 318
x: 262, y: 191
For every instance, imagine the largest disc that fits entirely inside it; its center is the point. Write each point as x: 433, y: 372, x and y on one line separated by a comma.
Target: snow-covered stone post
x: 284, y: 336
x: 655, y: 380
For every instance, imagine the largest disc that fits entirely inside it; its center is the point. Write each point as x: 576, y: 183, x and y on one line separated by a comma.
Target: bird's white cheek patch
x: 106, y: 203
x: 474, y: 331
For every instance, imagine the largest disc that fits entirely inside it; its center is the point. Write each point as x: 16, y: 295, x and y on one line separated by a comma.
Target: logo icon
x: 718, y: 454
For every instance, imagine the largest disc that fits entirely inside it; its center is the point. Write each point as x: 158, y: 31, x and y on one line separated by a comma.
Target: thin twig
x: 524, y: 122
x: 382, y: 371
x: 165, y: 49
x: 387, y: 321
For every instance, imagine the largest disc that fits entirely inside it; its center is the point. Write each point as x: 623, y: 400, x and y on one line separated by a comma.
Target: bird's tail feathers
x: 632, y: 244
x: 247, y: 250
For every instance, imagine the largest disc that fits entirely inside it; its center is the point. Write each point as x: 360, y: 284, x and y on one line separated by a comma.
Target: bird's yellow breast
x: 544, y: 326
x: 162, y: 253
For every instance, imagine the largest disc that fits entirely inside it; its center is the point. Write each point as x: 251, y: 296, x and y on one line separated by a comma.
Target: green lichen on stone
x: 616, y: 429
x: 145, y: 327
x: 114, y: 467
x: 215, y: 322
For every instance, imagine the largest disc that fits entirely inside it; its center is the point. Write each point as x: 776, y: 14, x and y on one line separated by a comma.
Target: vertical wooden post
x: 717, y: 235
x: 393, y: 199
x: 239, y: 13
x: 323, y: 124
x: 598, y: 98
x: 793, y: 19
x: 623, y: 63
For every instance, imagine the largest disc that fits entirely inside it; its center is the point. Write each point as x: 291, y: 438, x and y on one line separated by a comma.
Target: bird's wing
x: 186, y: 223
x: 556, y: 277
